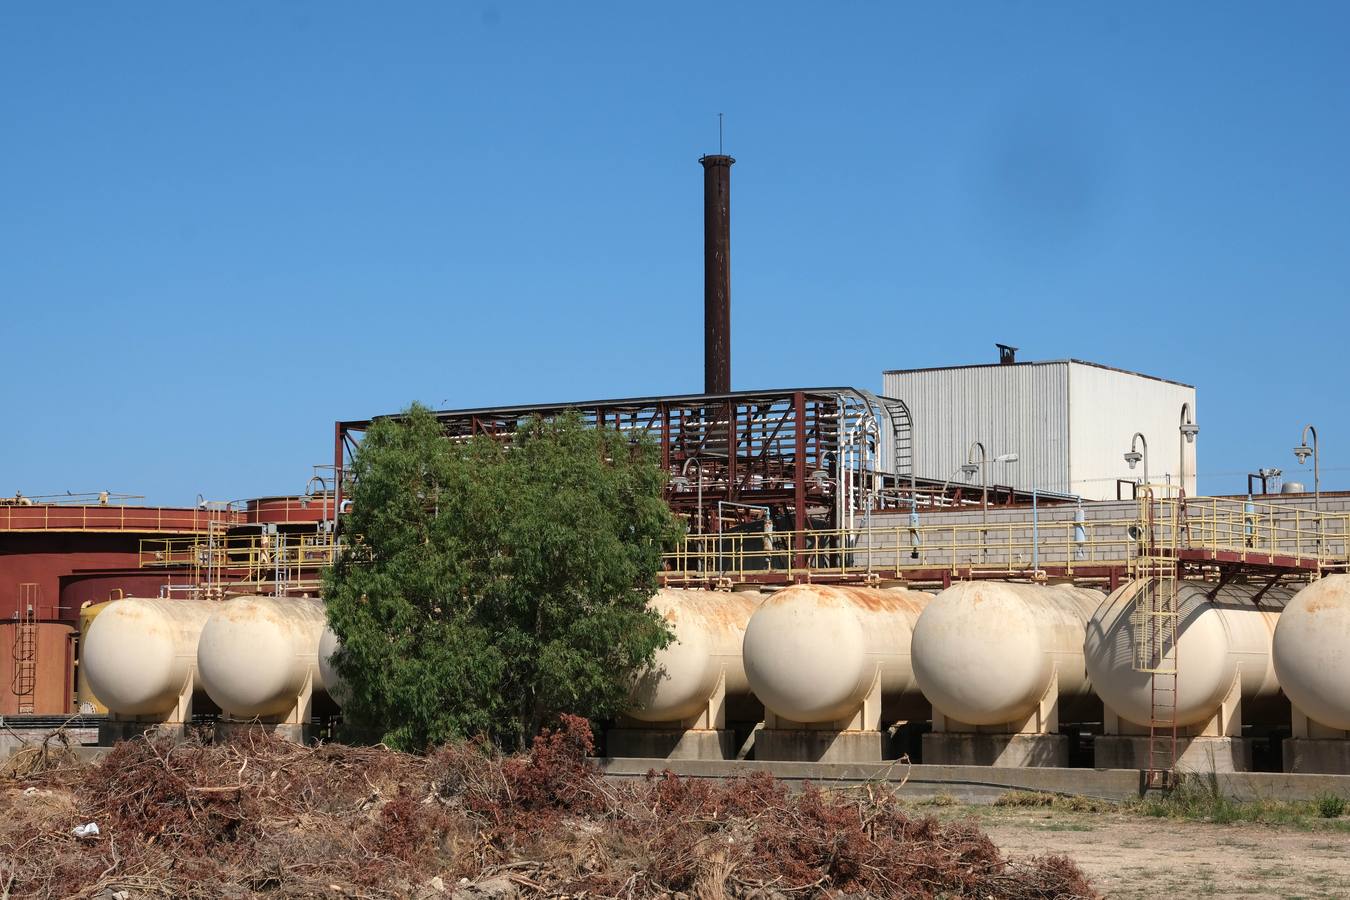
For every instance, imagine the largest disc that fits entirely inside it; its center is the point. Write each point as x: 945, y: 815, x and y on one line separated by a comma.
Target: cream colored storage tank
x: 328, y: 645
x: 985, y: 652
x: 85, y: 700
x: 140, y: 653
x: 1223, y: 633
x: 813, y: 652
x: 257, y: 653
x: 708, y: 628
x: 1312, y: 651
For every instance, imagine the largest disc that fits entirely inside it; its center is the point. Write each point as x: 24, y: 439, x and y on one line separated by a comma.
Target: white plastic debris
x: 87, y: 830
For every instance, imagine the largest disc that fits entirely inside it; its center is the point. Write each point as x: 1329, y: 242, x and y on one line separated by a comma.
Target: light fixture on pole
x: 1188, y: 431
x: 982, y: 466
x: 1134, y: 457
x: 1302, y: 452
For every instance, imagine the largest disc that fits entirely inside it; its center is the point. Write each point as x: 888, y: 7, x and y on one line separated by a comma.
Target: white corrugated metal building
x: 1069, y: 422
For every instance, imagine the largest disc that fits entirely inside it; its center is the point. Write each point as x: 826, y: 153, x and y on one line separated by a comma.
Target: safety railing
x: 1204, y: 529
x: 56, y: 517
x: 1252, y: 532
x: 1003, y: 547
x: 250, y: 557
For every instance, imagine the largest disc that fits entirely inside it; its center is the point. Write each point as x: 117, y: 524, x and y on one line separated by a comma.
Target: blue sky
x: 224, y: 226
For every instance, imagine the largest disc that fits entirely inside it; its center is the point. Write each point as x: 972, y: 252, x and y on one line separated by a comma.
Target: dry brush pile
x: 267, y: 818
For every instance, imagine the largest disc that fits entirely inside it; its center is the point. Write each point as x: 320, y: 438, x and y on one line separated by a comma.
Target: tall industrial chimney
x: 716, y: 273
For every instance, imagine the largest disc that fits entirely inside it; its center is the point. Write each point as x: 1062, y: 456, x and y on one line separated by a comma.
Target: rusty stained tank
x: 1311, y: 651
x: 985, y: 652
x: 257, y: 654
x: 36, y: 668
x: 813, y: 652
x: 1224, y: 632
x: 708, y: 627
x: 304, y: 509
x: 141, y: 653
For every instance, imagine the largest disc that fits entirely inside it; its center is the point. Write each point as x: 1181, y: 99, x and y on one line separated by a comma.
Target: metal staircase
x: 24, y: 681
x: 1155, y: 619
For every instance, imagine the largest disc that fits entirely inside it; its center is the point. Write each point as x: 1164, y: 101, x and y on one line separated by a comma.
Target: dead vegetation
x: 268, y: 818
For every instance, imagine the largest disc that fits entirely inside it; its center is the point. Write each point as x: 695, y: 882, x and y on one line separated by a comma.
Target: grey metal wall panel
x: 1022, y: 409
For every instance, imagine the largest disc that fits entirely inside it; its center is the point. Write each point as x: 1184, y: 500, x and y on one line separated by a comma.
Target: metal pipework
x: 716, y: 273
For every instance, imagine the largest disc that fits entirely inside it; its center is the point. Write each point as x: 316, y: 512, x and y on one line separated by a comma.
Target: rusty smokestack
x: 716, y: 273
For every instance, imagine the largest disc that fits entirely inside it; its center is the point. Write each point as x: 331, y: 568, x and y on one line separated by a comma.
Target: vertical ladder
x: 1155, y: 622
x: 24, y: 682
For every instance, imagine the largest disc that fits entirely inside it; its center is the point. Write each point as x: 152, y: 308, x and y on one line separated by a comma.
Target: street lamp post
x: 1302, y: 452
x: 1188, y: 431
x: 1134, y: 456
x: 971, y: 466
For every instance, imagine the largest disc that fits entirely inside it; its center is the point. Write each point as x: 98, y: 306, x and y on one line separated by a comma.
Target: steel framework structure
x: 794, y: 460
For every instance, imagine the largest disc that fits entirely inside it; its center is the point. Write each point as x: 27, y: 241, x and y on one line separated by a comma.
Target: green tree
x: 487, y: 586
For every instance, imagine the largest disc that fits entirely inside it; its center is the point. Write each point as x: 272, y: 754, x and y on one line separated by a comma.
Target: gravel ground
x: 1131, y: 856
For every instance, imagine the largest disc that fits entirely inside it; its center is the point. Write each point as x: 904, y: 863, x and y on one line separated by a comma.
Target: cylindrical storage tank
x: 140, y: 653
x: 813, y: 652
x: 1312, y: 651
x: 985, y: 652
x: 36, y: 668
x: 708, y: 628
x: 85, y: 700
x: 1223, y: 632
x: 256, y: 653
x: 328, y: 645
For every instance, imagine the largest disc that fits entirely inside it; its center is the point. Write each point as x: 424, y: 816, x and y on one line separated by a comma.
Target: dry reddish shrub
x: 262, y: 816
x: 557, y: 774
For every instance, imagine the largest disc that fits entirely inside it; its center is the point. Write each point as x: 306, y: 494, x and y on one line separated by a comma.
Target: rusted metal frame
x: 799, y: 483
x: 733, y: 449
x: 1232, y: 557
x: 663, y: 410
x: 782, y: 420
x: 339, y: 457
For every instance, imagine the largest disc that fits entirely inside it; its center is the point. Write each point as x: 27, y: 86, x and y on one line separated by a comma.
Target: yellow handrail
x: 1213, y: 528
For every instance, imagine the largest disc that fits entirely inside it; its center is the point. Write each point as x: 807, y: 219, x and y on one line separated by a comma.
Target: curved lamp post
x: 1302, y: 452
x: 1188, y: 431
x: 1134, y: 456
x: 971, y: 466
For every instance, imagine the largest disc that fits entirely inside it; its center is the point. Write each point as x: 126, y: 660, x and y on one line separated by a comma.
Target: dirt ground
x: 1131, y: 856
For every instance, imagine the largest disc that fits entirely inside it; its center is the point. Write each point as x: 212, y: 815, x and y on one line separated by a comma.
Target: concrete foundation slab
x: 985, y: 784
x: 683, y: 743
x: 12, y: 740
x: 1194, y: 754
x: 957, y: 748
x: 822, y: 746
x: 1313, y: 756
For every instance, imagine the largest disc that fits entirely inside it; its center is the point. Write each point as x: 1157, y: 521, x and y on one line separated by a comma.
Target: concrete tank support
x: 258, y: 659
x: 832, y: 667
x: 1002, y: 664
x: 1312, y: 661
x: 682, y: 704
x: 1225, y: 675
x: 140, y: 659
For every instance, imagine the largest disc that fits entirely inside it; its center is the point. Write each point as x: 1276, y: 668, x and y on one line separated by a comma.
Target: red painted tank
x: 36, y: 668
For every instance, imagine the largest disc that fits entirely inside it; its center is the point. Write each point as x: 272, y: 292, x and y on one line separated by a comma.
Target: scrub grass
x: 1198, y: 798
